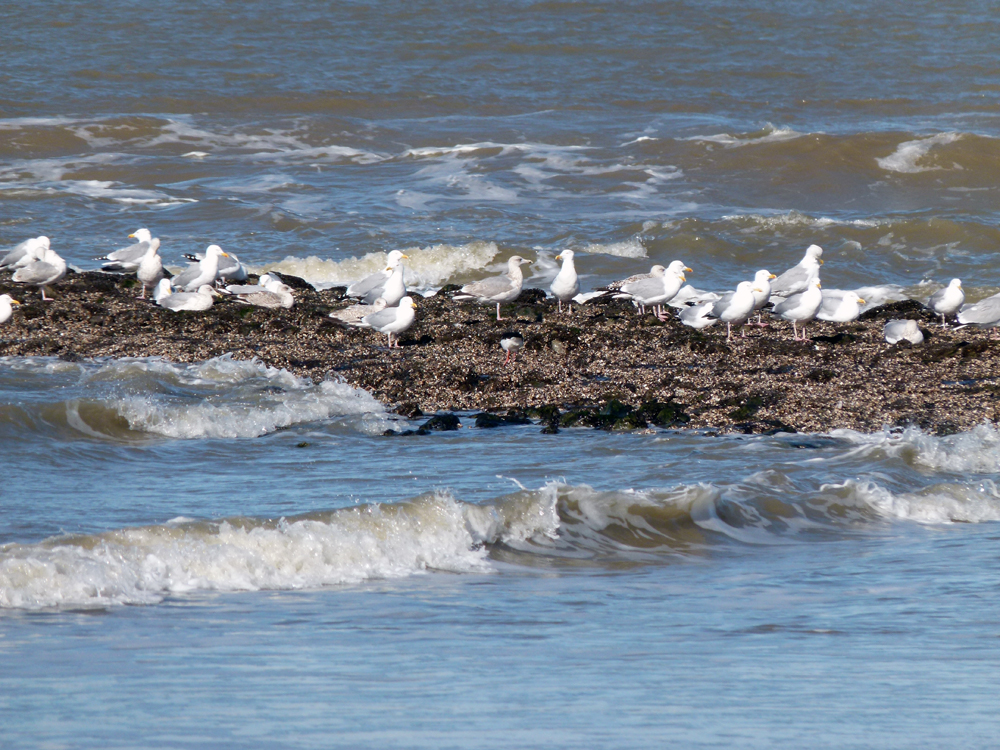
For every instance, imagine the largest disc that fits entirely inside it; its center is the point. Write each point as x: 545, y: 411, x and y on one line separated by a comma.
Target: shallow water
x: 222, y: 554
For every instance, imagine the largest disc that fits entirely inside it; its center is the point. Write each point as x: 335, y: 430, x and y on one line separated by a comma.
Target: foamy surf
x: 908, y: 155
x: 575, y: 524
x: 427, y: 268
x: 218, y: 398
x: 145, y: 565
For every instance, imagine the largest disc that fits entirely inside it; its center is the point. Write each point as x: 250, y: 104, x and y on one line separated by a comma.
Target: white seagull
x: 566, y: 284
x: 734, y: 307
x: 656, y: 289
x: 840, y: 308
x: 903, y: 330
x: 25, y: 252
x: 392, y: 320
x: 199, y: 300
x: 129, y: 258
x: 371, y: 287
x: 47, y: 269
x: 801, y: 308
x: 353, y: 315
x: 799, y: 277
x: 947, y: 301
x: 498, y: 289
x: 6, y: 311
x: 205, y: 271
x: 150, y: 268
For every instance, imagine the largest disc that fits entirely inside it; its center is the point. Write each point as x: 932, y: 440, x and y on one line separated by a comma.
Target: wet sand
x: 602, y: 366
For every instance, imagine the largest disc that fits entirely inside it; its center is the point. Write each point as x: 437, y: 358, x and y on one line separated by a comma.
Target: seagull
x: 499, y: 289
x: 801, y: 308
x: 371, y: 287
x: 150, y: 268
x: 273, y: 294
x: 199, y: 300
x: 129, y: 258
x: 800, y: 277
x: 511, y: 342
x: 6, y: 311
x: 392, y: 291
x: 352, y: 315
x: 47, y: 269
x: 230, y: 269
x: 566, y: 284
x: 735, y: 307
x: 838, y: 308
x: 903, y: 330
x: 947, y: 301
x: 392, y: 320
x: 985, y: 313
x: 203, y: 272
x: 699, y: 316
x: 25, y: 252
x: 656, y: 289
x: 761, y: 292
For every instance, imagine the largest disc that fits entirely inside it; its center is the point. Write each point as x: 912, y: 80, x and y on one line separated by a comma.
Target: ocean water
x: 222, y: 554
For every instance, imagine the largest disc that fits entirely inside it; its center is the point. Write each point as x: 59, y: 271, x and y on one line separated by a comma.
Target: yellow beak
x: 860, y: 301
x: 821, y: 261
x: 14, y: 302
x: 558, y: 257
x: 688, y: 269
x: 131, y: 236
x: 772, y: 276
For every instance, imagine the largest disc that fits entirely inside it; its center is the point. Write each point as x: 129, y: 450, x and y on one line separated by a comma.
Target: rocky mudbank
x: 603, y: 366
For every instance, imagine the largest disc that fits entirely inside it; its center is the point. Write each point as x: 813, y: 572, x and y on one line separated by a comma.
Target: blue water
x: 220, y: 554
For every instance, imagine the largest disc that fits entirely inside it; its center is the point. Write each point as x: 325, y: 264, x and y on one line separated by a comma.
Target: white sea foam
x: 908, y: 154
x: 975, y: 451
x: 248, y: 399
x: 938, y: 504
x: 144, y: 565
x: 771, y: 134
x: 630, y: 248
x: 794, y: 219
x: 426, y: 269
x: 218, y: 398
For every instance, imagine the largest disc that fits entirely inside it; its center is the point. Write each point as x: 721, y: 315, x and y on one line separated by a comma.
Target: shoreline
x: 604, y: 366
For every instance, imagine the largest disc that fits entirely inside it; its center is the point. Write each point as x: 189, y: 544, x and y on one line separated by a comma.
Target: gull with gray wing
x: 498, y: 289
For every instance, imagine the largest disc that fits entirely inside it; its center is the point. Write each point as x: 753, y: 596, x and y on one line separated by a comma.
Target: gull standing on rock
x: 371, y: 287
x: 150, y: 269
x: 353, y: 315
x: 199, y: 300
x: 735, y: 307
x: 392, y: 320
x: 25, y: 252
x: 566, y: 284
x: 656, y: 289
x: 903, y: 330
x: 801, y: 308
x: 129, y: 258
x: 761, y: 292
x: 800, y: 277
x: 499, y: 289
x: 203, y: 272
x: 947, y: 301
x: 6, y: 311
x: 840, y: 309
x: 47, y: 269
x: 511, y: 342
